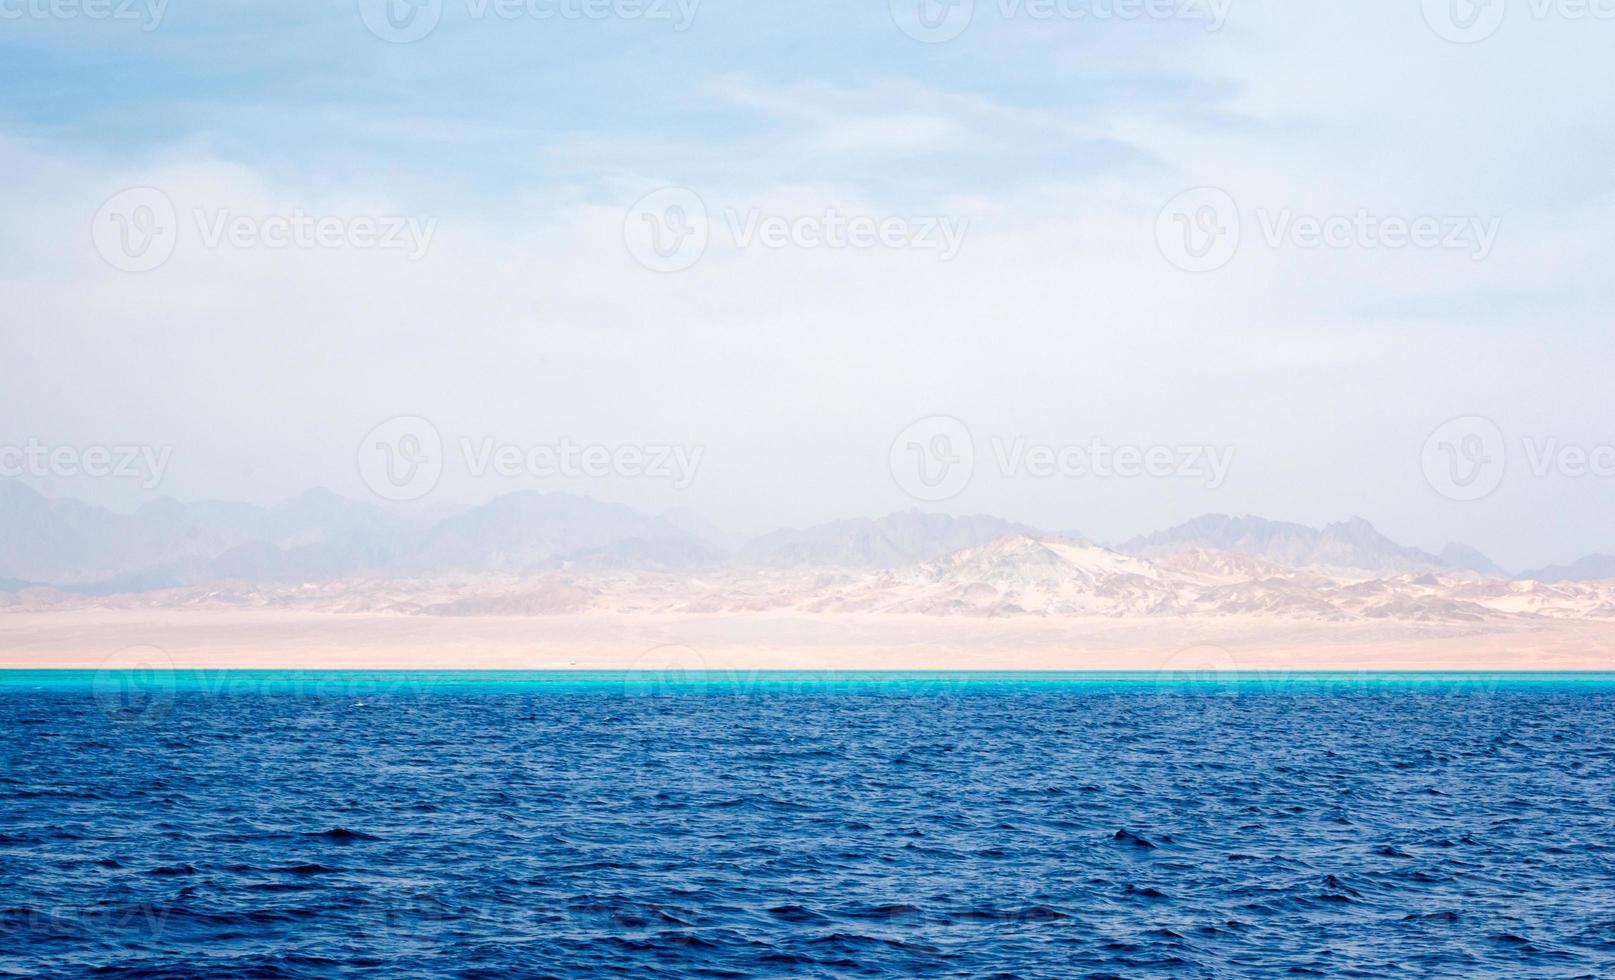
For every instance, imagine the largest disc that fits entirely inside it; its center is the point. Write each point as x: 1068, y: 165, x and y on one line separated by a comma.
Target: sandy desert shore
x: 271, y: 639
x: 1016, y: 603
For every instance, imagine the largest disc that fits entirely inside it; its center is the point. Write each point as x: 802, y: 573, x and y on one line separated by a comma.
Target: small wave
x: 894, y: 910
x: 177, y: 869
x: 1034, y: 913
x: 307, y: 869
x: 342, y: 834
x: 1145, y: 892
x: 1128, y: 837
x: 796, y: 913
x: 671, y: 841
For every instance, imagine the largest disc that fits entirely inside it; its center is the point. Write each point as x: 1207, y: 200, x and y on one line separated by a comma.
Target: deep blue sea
x: 262, y: 824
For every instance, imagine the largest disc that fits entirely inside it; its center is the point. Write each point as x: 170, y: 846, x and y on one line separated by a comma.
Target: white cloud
x: 1059, y: 320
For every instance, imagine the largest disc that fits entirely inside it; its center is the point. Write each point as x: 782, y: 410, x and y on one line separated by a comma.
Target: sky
x: 1095, y: 265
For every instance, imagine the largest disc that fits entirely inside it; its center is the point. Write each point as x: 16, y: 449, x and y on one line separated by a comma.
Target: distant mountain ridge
x: 1592, y: 568
x: 1017, y: 576
x: 1463, y: 556
x: 887, y: 542
x: 1021, y: 573
x: 321, y: 536
x: 1352, y: 544
x: 318, y: 536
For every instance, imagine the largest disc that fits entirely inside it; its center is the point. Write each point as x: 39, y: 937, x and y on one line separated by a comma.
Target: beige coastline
x: 784, y: 639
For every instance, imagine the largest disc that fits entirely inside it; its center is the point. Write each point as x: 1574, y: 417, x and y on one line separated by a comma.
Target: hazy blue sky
x: 1050, y: 137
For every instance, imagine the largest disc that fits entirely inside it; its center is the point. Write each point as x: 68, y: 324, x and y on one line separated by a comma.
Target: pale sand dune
x: 96, y: 638
x: 1017, y: 603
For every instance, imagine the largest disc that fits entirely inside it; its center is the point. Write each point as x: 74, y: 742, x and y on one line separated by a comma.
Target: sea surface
x: 279, y: 824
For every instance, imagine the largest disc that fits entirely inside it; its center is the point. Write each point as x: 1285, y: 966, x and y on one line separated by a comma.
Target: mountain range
x: 1023, y: 577
x: 320, y: 536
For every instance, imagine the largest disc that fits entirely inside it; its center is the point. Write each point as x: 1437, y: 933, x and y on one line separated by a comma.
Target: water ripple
x: 1036, y: 834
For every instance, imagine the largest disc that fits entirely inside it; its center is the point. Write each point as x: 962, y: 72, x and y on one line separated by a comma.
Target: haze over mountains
x: 320, y: 536
x: 1589, y: 569
x: 1353, y: 544
x: 897, y: 539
